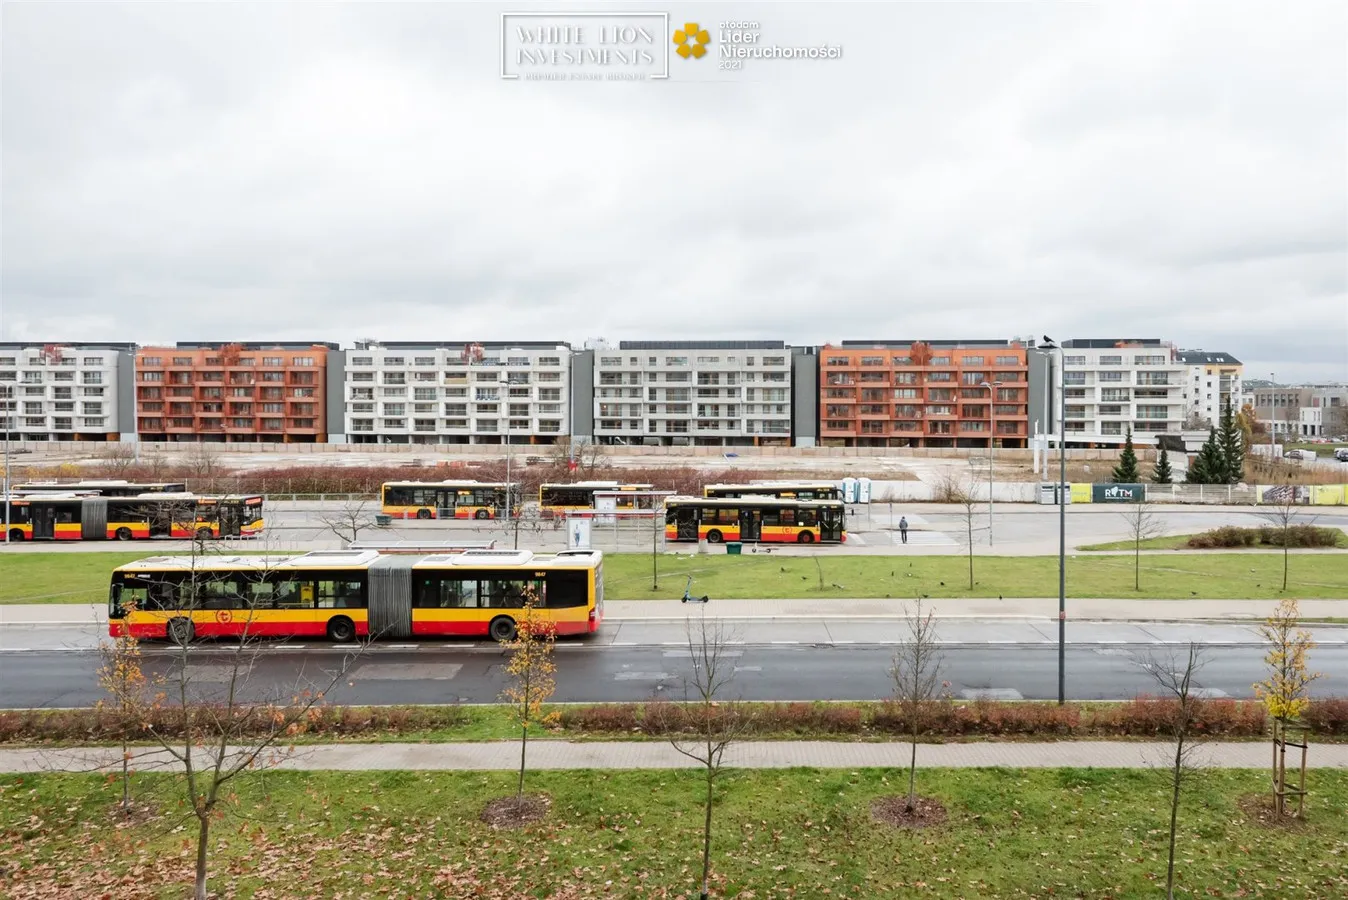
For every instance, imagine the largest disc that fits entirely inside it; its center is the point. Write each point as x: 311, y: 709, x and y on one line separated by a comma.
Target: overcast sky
x: 198, y: 172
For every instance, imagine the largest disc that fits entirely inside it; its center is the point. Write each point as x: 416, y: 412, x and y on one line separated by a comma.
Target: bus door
x: 751, y: 524
x: 230, y: 513
x: 445, y: 503
x: 44, y: 521
x: 830, y: 524
x: 685, y: 520
x: 161, y: 519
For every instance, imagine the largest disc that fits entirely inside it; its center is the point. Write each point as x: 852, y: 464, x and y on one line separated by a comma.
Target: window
x: 610, y: 361
x: 1074, y: 360
x: 973, y: 361
x: 302, y: 361
x: 151, y: 361
x: 92, y: 378
x: 1148, y: 360
x: 394, y: 361
x: 362, y: 360
x: 1008, y: 360
x: 423, y: 361
x: 1111, y: 360
x: 939, y: 361
x: 773, y: 361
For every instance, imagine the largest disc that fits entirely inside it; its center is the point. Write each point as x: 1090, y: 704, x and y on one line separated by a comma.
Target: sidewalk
x: 549, y: 754
x: 1081, y: 610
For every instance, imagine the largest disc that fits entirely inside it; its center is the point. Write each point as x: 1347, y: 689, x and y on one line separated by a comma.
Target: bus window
x: 567, y: 589
x: 435, y: 592
x: 340, y: 594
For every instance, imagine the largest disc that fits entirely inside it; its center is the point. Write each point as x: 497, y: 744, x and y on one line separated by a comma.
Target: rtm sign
x: 1118, y: 493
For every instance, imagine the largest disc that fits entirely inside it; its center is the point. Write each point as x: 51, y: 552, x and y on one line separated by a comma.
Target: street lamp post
x: 1062, y: 521
x: 9, y: 423
x: 992, y: 446
x: 504, y: 383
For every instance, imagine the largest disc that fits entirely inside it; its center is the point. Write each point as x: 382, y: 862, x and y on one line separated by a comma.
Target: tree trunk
x: 524, y: 746
x: 971, y: 553
x: 1174, y: 819
x: 1137, y: 565
x: 126, y: 774
x: 1285, y: 538
x: 706, y: 832
x: 203, y: 835
x: 912, y: 768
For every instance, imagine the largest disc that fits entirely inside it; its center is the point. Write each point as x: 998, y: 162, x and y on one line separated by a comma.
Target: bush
x: 606, y: 717
x: 1152, y: 717
x: 1266, y: 535
x: 1328, y: 716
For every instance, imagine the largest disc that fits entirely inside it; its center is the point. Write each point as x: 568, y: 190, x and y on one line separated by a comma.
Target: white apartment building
x: 454, y: 393
x: 1112, y: 384
x: 710, y: 393
x: 67, y: 392
x: 1212, y: 380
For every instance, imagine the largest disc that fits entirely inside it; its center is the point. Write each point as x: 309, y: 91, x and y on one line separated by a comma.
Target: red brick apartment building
x: 923, y: 394
x: 233, y: 393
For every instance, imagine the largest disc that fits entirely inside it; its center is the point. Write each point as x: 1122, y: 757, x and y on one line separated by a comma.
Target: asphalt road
x: 595, y: 671
x: 1018, y: 529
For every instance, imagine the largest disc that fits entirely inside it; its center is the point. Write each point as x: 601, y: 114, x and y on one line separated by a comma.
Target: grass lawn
x: 1180, y: 542
x: 83, y: 577
x: 777, y: 834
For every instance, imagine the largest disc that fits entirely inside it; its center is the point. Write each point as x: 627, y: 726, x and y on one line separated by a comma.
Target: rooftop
x: 1206, y: 357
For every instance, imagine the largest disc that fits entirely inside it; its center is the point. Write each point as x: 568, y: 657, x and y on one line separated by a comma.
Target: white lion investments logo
x: 585, y: 46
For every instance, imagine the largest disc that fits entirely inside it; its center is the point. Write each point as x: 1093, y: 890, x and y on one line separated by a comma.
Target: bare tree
x: 1142, y: 526
x: 116, y: 459
x: 1196, y: 421
x: 203, y: 462
x: 122, y: 676
x: 916, y: 673
x: 1284, y: 514
x: 349, y: 521
x: 586, y: 456
x: 1286, y: 693
x: 208, y: 726
x: 952, y: 489
x: 1175, y: 677
x: 718, y: 723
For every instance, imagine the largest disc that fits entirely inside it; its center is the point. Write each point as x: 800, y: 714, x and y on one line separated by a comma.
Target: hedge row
x: 1140, y: 717
x: 1143, y: 717
x: 1265, y: 535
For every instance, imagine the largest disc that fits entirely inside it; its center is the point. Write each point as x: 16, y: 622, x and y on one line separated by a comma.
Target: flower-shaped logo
x: 692, y: 40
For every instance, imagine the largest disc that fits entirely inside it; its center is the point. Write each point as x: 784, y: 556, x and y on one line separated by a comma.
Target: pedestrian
x: 903, y: 528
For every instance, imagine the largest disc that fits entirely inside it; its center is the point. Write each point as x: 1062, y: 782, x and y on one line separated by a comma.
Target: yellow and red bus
x: 446, y: 499
x: 556, y: 499
x: 102, y: 488
x: 346, y: 594
x: 72, y: 517
x: 790, y: 490
x: 754, y: 519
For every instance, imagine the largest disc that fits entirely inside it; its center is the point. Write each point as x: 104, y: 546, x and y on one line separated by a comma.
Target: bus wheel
x: 713, y: 536
x: 481, y: 514
x: 423, y: 514
x: 181, y: 631
x: 203, y: 534
x: 805, y: 537
x: 502, y: 629
x: 123, y: 534
x: 341, y: 630
x: 16, y: 535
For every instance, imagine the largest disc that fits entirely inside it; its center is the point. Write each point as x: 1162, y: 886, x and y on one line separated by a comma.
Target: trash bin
x: 732, y: 548
x: 381, y: 519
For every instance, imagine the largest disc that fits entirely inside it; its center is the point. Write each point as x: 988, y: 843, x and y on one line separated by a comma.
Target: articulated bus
x: 345, y: 594
x: 757, y: 519
x: 79, y: 517
x: 790, y: 490
x: 446, y: 499
x: 556, y: 499
x: 102, y: 488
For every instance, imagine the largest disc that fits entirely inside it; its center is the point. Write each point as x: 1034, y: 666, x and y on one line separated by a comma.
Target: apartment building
x: 234, y: 392
x: 1213, y: 380
x: 400, y: 392
x: 1295, y: 411
x: 66, y: 391
x: 957, y: 393
x: 1111, y: 384
x: 691, y: 393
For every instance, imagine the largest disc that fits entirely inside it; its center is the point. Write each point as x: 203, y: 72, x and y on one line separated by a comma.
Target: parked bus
x: 790, y: 490
x: 81, y: 517
x: 759, y: 519
x: 556, y: 499
x: 345, y: 594
x: 445, y: 499
x: 102, y: 488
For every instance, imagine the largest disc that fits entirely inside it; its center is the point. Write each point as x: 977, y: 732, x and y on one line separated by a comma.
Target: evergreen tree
x: 1207, y: 467
x: 1126, y: 471
x: 1231, y: 447
x: 1162, y: 474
